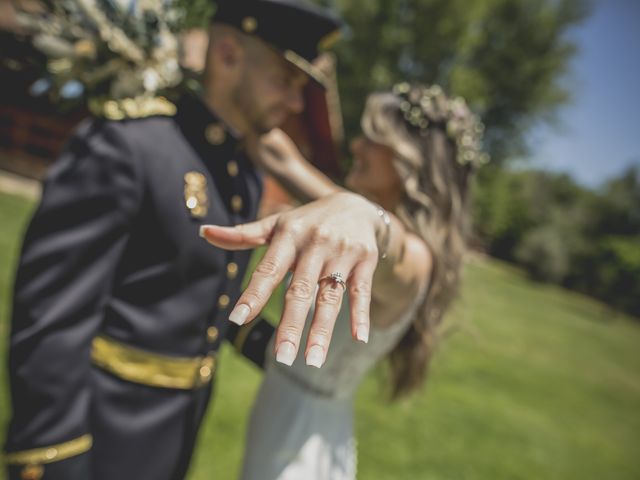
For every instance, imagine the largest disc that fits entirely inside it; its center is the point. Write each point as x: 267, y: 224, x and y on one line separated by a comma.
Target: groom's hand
x: 335, y: 235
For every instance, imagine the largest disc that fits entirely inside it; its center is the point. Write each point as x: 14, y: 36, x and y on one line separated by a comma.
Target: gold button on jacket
x: 232, y: 168
x: 232, y: 270
x: 236, y: 203
x: 215, y: 134
x: 223, y: 301
x: 212, y: 334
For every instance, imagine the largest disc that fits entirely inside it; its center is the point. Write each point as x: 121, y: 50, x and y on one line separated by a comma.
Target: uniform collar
x: 204, y: 129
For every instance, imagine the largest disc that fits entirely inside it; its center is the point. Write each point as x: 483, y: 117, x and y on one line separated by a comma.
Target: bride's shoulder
x: 419, y: 260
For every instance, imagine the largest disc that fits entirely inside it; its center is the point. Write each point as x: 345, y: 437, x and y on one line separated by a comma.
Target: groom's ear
x: 252, y: 339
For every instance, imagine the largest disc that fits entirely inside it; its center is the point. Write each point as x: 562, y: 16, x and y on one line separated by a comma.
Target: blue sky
x: 599, y: 132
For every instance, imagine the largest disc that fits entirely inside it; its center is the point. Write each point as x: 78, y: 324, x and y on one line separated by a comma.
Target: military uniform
x: 113, y: 270
x: 119, y: 306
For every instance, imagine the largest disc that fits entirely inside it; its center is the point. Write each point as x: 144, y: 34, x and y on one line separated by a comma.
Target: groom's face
x: 269, y: 89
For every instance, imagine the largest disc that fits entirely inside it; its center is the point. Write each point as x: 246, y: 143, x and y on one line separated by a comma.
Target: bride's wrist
x: 383, y: 230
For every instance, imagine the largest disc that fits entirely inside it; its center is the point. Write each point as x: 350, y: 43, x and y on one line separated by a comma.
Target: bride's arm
x: 278, y: 155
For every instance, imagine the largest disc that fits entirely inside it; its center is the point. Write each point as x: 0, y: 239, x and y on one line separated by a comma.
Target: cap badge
x: 195, y: 194
x: 249, y: 24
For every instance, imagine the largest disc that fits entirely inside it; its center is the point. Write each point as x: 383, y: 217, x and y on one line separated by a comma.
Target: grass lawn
x: 533, y: 383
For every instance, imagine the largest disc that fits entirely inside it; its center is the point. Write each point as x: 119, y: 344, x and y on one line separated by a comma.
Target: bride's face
x: 372, y: 173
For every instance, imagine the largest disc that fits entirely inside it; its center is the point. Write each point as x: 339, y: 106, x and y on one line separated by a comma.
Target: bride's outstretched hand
x: 330, y: 243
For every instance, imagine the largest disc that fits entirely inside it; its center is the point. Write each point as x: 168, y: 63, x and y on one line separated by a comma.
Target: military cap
x: 296, y: 28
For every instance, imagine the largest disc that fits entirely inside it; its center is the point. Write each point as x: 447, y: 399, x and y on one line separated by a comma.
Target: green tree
x: 618, y: 209
x: 610, y: 267
x: 503, y: 211
x: 508, y: 58
x: 563, y: 233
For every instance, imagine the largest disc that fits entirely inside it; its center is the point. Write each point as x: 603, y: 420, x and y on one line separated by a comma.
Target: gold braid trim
x: 152, y: 369
x: 52, y: 453
x: 137, y: 107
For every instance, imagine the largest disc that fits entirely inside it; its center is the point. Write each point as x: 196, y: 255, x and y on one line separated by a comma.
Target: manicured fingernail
x: 202, y: 230
x: 315, y: 356
x: 362, y: 333
x: 239, y: 314
x: 286, y: 353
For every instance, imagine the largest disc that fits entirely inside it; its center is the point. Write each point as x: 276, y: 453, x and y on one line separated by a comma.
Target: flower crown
x: 422, y: 107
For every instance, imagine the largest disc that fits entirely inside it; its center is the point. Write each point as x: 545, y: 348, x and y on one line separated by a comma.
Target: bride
x: 415, y: 160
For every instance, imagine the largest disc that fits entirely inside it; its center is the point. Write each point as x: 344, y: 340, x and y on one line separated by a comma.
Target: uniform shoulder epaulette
x: 132, y: 108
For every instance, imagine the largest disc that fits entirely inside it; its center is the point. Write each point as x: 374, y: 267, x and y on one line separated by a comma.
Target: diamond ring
x: 338, y: 278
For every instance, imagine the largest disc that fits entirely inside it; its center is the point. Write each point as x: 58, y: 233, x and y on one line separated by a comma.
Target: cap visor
x: 303, y: 64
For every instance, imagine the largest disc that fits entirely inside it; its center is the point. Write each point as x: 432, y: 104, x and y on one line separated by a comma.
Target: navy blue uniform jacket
x: 113, y: 250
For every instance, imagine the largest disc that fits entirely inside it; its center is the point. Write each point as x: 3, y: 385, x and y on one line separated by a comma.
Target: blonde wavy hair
x: 429, y: 149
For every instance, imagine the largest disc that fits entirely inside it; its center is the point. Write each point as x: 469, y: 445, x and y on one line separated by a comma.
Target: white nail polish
x: 239, y: 314
x: 362, y: 333
x: 201, y: 231
x: 315, y: 357
x: 286, y: 353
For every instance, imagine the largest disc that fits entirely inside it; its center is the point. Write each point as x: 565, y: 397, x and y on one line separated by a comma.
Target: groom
x: 119, y: 308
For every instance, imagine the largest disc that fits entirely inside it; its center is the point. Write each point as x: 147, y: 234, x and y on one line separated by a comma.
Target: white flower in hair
x: 429, y: 107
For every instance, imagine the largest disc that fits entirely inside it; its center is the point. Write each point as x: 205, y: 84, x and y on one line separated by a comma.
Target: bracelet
x: 384, y: 216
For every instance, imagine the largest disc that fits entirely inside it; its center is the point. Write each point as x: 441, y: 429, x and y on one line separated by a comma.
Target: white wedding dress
x: 301, y: 425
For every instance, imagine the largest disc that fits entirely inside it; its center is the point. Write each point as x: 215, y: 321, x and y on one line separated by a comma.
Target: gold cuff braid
x: 147, y: 368
x: 52, y: 453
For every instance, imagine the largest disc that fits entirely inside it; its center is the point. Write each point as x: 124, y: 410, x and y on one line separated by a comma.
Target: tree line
x: 563, y: 233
